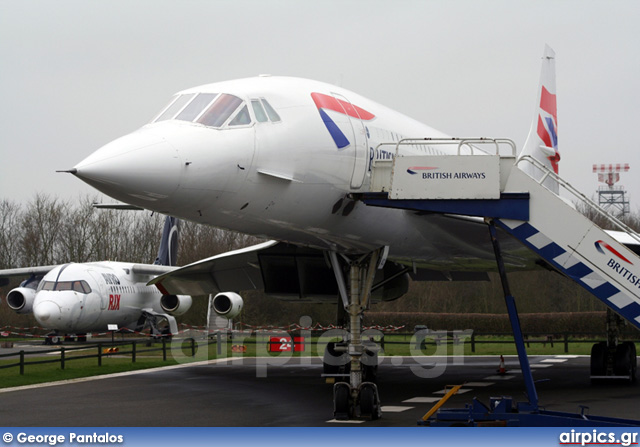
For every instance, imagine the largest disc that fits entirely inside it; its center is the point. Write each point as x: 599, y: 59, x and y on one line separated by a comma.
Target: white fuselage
x: 287, y: 179
x: 80, y: 298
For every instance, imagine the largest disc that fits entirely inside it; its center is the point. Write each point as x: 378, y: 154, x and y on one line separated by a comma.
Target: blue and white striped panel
x: 575, y: 269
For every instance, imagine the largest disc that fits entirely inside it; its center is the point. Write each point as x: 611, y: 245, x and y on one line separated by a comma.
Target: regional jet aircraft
x: 284, y: 159
x: 80, y: 298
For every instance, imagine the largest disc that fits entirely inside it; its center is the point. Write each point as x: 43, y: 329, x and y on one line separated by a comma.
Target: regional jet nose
x: 137, y: 168
x: 46, y: 313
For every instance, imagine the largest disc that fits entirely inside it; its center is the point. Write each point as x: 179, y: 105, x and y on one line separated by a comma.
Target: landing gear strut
x: 151, y: 321
x: 358, y: 397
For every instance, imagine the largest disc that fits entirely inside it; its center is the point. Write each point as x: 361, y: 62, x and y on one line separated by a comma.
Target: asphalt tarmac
x: 248, y: 392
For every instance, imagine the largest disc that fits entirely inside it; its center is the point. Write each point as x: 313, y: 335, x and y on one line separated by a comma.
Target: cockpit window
x: 220, y: 110
x: 195, y: 107
x: 81, y: 286
x: 214, y: 110
x: 76, y: 286
x: 175, y: 106
x: 273, y: 116
x: 258, y: 111
x: 242, y: 118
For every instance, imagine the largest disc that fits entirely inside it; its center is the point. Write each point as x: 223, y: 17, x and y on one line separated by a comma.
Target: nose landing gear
x: 357, y: 398
x: 53, y: 338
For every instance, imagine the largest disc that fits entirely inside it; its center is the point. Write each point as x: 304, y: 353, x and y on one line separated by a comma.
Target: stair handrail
x: 548, y: 173
x: 449, y: 141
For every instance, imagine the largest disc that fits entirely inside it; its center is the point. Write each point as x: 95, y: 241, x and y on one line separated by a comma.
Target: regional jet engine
x: 227, y: 304
x: 20, y: 300
x: 175, y: 304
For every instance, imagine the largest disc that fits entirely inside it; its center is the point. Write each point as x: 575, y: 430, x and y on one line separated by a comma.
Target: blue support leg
x: 515, y: 325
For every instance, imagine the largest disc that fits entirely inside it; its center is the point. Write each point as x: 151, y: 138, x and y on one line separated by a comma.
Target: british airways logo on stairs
x: 413, y: 169
x: 429, y: 173
x: 601, y: 245
x: 619, y: 267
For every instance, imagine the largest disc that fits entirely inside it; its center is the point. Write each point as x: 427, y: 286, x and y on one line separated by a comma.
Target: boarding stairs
x: 495, y: 187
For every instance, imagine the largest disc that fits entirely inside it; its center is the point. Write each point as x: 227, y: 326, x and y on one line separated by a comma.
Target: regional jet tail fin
x: 542, y: 142
x: 168, y: 252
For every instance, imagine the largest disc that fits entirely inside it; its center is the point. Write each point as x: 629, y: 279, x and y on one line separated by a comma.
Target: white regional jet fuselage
x: 276, y: 157
x: 81, y: 298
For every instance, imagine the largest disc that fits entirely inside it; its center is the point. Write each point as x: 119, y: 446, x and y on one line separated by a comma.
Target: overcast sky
x: 77, y: 74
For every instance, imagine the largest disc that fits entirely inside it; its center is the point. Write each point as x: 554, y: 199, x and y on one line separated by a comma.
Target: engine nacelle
x: 20, y: 300
x: 227, y: 304
x: 175, y: 304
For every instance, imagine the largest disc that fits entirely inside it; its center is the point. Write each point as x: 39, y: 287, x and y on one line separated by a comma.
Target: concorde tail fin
x: 542, y: 142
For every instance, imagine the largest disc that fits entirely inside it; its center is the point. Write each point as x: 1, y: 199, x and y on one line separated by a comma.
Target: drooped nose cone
x: 47, y: 313
x: 137, y: 168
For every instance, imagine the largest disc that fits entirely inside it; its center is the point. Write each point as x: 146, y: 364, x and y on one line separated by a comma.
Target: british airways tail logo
x: 413, y: 170
x: 601, y: 245
x: 548, y: 125
x: 327, y: 102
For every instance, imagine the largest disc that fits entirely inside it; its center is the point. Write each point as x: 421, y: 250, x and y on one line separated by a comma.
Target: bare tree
x: 9, y: 234
x: 40, y: 230
x: 144, y: 237
x: 75, y: 235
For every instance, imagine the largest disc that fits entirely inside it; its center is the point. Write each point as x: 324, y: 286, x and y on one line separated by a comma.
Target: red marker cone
x: 501, y: 368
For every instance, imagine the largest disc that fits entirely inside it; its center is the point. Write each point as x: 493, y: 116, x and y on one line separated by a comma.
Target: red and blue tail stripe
x: 548, y: 125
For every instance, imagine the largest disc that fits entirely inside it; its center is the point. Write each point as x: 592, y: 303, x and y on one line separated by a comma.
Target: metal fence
x: 102, y: 350
x: 415, y: 340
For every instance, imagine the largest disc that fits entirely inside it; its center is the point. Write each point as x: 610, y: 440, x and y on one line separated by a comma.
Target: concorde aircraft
x: 78, y: 298
x: 285, y: 159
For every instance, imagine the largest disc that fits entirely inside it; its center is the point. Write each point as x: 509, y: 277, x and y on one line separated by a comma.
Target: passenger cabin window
x: 196, y: 106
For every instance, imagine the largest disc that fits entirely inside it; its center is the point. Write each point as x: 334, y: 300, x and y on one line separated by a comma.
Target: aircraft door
x: 359, y: 144
x: 102, y: 288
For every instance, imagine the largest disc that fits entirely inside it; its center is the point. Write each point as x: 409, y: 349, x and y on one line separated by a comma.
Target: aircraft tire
x: 342, y: 406
x: 369, y: 405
